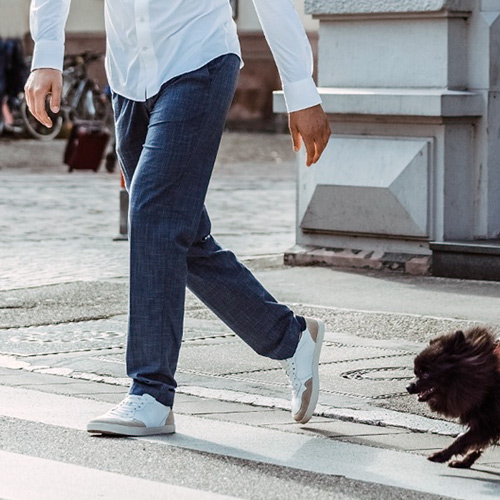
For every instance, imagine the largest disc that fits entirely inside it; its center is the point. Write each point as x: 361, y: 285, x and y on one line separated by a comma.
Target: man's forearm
x: 47, y: 23
x: 291, y: 50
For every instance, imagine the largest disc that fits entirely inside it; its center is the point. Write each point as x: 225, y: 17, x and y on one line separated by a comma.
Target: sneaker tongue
x: 135, y: 398
x: 148, y: 397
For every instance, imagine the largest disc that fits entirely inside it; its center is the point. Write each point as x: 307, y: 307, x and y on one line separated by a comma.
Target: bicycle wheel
x: 35, y: 129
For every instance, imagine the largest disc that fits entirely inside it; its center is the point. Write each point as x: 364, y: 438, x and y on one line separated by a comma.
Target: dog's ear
x: 459, y: 337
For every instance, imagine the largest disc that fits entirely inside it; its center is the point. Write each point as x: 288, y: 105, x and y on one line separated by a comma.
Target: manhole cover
x: 382, y: 373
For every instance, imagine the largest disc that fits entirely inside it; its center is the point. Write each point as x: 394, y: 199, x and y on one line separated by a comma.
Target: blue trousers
x: 167, y: 147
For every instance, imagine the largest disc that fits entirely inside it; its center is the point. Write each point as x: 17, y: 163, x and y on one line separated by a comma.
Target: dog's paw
x: 459, y: 464
x: 439, y: 456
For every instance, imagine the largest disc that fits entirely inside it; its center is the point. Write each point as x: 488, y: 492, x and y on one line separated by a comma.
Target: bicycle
x: 81, y: 99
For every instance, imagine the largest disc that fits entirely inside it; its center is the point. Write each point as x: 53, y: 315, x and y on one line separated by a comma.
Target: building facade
x: 411, y: 177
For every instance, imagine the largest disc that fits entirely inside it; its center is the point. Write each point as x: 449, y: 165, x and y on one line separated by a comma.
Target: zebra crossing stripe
x: 29, y: 478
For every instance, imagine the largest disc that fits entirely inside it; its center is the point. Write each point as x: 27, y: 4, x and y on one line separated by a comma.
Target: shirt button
x: 144, y: 49
x: 141, y: 19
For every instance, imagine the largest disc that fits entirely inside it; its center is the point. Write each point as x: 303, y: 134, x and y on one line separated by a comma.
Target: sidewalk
x: 63, y: 294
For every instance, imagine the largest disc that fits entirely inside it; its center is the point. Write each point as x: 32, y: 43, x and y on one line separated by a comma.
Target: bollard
x: 123, y: 233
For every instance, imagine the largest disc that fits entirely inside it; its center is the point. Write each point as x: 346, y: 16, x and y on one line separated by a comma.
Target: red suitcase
x: 86, y: 146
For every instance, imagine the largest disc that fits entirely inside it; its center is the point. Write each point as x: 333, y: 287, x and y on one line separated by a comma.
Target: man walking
x: 173, y: 67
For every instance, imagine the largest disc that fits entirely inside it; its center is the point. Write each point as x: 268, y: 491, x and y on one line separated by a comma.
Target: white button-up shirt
x: 151, y: 41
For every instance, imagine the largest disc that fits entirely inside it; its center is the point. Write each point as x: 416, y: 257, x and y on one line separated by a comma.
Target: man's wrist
x: 47, y: 69
x: 301, y: 95
x: 48, y: 55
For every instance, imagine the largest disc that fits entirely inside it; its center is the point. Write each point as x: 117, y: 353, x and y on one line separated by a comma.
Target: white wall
x: 85, y: 15
x: 248, y: 21
x: 13, y: 18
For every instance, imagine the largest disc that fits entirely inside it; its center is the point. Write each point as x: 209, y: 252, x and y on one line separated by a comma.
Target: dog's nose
x: 411, y: 388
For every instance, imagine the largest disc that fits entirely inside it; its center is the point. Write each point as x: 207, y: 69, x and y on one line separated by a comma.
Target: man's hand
x: 40, y: 84
x: 311, y: 125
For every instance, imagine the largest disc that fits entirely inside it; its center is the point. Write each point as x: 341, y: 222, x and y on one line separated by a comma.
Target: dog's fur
x: 458, y: 375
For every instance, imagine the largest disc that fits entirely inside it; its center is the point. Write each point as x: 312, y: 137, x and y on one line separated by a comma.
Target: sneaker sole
x: 122, y: 430
x: 315, y: 379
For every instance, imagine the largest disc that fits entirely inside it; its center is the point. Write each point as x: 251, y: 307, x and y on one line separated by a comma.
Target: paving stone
x: 63, y: 303
x: 493, y: 465
x: 110, y: 397
x: 234, y: 358
x: 82, y: 389
x: 364, y: 379
x: 267, y: 418
x: 26, y: 378
x: 212, y: 406
x: 58, y: 227
x: 8, y: 371
x: 63, y: 337
x: 408, y: 441
x: 338, y: 428
x: 342, y: 353
x: 185, y: 398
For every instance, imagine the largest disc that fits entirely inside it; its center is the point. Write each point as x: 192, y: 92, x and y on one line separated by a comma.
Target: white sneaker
x: 302, y: 370
x: 135, y: 416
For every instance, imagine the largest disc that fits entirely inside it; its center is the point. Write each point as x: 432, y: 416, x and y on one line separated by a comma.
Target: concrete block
x: 349, y: 7
x: 425, y: 103
x: 360, y: 185
x: 361, y: 259
x: 467, y: 260
x: 392, y: 53
x: 418, y: 266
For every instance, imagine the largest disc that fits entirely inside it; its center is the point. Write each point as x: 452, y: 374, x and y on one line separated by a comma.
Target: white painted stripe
x: 373, y: 415
x: 270, y: 446
x: 30, y: 478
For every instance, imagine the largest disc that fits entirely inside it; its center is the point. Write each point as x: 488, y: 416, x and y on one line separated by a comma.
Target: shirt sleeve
x: 47, y: 23
x: 291, y: 50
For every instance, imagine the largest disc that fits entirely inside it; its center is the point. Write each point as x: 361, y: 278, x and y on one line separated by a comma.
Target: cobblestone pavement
x: 59, y: 227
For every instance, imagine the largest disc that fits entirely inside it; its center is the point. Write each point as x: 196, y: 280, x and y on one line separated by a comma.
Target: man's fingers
x: 321, y: 146
x: 40, y: 108
x: 55, y: 98
x: 296, y: 139
x: 319, y: 150
x: 42, y: 83
x: 312, y: 125
x: 311, y: 151
x: 28, y: 98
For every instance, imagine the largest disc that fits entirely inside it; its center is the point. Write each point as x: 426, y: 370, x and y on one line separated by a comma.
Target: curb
x: 415, y: 265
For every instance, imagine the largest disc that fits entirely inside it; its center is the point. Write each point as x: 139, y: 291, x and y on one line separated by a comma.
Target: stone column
x: 413, y: 166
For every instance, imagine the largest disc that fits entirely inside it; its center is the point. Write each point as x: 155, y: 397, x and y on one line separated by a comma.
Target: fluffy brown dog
x: 458, y: 375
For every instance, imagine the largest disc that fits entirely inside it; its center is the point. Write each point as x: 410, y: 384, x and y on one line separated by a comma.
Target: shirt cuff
x: 301, y: 95
x: 48, y: 54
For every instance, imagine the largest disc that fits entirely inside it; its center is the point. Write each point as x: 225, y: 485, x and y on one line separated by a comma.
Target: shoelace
x: 290, y: 370
x: 128, y: 406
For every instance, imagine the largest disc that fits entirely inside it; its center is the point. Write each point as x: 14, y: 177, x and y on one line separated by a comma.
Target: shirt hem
x: 123, y: 93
